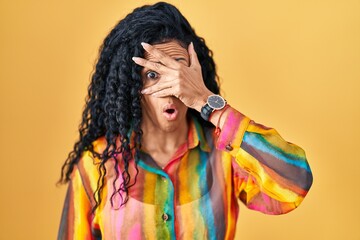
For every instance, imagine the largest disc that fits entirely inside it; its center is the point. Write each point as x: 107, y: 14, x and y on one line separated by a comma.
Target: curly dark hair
x: 113, y: 107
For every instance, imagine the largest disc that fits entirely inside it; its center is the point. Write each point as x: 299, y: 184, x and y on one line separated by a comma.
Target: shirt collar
x: 195, y: 135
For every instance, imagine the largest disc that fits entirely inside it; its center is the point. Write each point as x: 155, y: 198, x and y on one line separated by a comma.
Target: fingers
x: 194, y: 61
x: 158, y: 87
x: 161, y: 56
x: 165, y: 93
x: 164, y: 61
x: 158, y: 67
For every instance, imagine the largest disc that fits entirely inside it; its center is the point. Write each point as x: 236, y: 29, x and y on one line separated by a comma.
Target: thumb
x: 194, y: 61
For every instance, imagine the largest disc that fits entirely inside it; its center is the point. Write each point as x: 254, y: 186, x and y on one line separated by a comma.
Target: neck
x: 156, y: 140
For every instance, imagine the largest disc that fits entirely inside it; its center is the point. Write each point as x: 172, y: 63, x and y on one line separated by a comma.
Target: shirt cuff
x: 232, y: 132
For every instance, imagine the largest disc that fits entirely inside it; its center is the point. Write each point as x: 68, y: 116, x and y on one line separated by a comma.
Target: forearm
x: 270, y: 167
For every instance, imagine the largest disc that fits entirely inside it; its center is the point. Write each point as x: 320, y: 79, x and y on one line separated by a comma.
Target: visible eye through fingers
x: 152, y: 75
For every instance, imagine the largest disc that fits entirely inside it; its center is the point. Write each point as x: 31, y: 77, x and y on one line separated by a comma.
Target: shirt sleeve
x: 270, y: 175
x: 76, y: 216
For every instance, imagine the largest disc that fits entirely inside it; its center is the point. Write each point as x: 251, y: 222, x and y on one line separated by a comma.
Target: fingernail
x: 135, y: 59
x: 144, y: 91
x: 144, y: 44
x: 192, y: 45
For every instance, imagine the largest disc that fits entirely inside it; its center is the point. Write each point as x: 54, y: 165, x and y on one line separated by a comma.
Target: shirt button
x: 229, y: 147
x: 165, y: 217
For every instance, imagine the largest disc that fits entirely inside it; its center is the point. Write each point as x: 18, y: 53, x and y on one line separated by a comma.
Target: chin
x: 170, y: 126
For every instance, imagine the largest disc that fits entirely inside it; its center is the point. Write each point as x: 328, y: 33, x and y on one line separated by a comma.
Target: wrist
x: 214, y: 103
x: 202, y: 101
x: 218, y: 118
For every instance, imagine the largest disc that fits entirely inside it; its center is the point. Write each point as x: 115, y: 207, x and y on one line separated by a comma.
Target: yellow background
x: 292, y: 65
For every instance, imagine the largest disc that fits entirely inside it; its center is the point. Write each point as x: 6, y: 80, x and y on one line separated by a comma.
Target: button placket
x: 164, y: 203
x: 166, y: 212
x: 165, y: 217
x: 229, y: 147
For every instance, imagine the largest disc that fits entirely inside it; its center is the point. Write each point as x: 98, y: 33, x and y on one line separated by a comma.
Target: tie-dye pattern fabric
x: 195, y: 196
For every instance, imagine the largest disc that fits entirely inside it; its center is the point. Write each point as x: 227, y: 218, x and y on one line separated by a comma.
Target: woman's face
x: 166, y: 113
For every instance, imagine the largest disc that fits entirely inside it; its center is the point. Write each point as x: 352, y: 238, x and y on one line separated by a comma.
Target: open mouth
x: 170, y: 112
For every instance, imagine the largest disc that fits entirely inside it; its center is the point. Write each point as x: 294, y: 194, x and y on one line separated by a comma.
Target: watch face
x: 216, y: 102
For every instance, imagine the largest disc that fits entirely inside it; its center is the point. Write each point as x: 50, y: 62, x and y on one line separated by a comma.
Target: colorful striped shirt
x: 195, y: 196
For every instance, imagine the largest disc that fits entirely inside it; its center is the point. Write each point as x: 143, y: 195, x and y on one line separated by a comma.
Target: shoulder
x: 90, y: 158
x: 88, y: 165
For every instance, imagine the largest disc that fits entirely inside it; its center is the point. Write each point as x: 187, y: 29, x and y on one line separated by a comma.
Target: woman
x: 161, y: 155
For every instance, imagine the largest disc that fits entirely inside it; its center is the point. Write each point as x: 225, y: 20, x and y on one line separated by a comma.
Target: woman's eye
x: 152, y: 75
